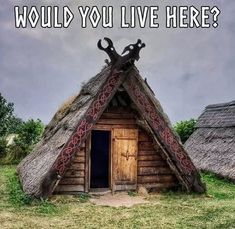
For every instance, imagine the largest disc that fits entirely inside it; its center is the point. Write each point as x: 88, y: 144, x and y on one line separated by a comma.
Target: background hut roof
x: 218, y: 115
x: 212, y: 145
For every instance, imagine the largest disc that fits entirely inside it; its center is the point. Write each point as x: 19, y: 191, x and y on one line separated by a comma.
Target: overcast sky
x: 187, y: 68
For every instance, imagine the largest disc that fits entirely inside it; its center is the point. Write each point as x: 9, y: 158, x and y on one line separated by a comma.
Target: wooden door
x: 124, y: 159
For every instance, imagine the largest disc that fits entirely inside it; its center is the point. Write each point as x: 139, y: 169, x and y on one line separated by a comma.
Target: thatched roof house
x: 113, y: 135
x: 212, y: 145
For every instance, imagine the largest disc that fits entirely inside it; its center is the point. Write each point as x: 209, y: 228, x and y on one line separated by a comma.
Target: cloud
x: 187, y: 68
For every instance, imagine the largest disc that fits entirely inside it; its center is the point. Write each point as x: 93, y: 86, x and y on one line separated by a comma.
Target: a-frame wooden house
x: 113, y: 135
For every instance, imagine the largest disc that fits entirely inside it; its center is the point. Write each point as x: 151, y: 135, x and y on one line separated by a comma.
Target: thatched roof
x: 212, y: 145
x: 34, y: 168
x: 65, y: 135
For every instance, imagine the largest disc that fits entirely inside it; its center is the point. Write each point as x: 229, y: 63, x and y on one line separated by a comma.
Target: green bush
x: 16, y: 195
x: 29, y: 133
x: 3, y: 147
x: 185, y: 129
x: 15, y: 153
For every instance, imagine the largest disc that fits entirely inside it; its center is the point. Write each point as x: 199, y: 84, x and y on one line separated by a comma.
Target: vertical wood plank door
x: 124, y: 158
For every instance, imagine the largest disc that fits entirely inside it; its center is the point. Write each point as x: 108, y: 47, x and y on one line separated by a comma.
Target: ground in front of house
x: 216, y: 209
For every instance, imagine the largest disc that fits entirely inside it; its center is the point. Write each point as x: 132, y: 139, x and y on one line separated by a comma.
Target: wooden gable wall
x: 74, y: 178
x: 152, y: 170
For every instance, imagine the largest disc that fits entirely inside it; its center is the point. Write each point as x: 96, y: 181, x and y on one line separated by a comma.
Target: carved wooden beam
x: 122, y: 61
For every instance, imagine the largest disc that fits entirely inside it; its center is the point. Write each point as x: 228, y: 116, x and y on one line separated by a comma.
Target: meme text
x: 130, y: 17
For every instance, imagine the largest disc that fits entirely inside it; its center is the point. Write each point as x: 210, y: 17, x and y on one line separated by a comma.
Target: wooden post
x: 87, y: 163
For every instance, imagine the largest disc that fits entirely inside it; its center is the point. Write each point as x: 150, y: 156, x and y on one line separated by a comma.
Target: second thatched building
x: 212, y: 145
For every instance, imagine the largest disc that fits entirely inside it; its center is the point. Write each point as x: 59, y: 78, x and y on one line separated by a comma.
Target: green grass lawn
x: 216, y: 209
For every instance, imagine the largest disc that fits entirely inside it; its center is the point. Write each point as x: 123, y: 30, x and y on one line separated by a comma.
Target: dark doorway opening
x: 100, y: 146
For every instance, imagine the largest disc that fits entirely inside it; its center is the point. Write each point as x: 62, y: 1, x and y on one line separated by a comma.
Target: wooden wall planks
x: 152, y: 170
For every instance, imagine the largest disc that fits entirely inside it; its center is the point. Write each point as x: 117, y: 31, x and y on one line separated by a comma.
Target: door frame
x: 111, y: 146
x: 88, y: 160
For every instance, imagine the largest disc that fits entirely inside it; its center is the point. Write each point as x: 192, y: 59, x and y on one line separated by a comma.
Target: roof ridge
x: 221, y: 105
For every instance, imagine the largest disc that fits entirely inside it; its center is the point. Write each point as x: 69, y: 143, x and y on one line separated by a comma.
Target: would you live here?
x: 130, y: 17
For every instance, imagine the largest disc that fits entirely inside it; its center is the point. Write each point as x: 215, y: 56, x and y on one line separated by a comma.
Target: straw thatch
x: 212, y: 145
x: 34, y: 168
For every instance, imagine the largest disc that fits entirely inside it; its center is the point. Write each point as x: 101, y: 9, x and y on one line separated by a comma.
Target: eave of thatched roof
x: 212, y: 145
x: 33, y: 169
x: 213, y: 149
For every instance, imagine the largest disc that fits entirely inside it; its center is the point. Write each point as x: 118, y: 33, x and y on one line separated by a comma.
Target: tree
x: 9, y: 123
x: 28, y: 135
x: 185, y: 129
x: 6, y: 114
x: 30, y: 132
x: 15, y: 125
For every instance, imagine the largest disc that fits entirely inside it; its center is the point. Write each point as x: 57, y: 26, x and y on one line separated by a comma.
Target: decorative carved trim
x: 159, y: 126
x: 129, y: 55
x: 86, y: 124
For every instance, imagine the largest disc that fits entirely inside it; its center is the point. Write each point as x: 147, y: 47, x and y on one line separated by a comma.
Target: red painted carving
x: 160, y: 127
x: 86, y: 124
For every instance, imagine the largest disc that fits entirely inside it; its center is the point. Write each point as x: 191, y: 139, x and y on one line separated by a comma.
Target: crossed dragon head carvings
x: 129, y: 55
